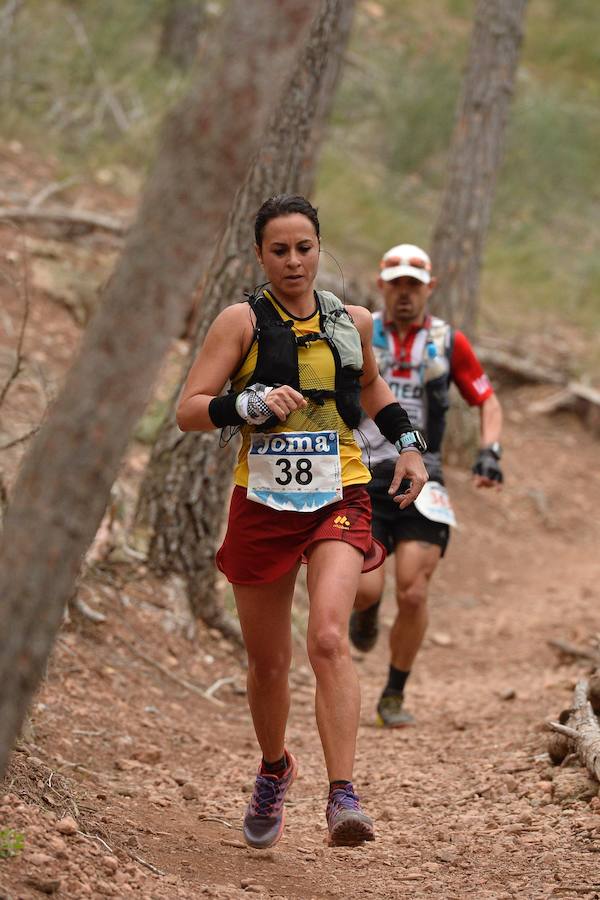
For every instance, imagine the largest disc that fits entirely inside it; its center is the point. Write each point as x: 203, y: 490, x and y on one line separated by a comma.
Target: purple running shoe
x: 265, y: 816
x: 346, y: 821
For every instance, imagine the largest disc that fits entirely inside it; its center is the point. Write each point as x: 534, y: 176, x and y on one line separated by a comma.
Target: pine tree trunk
x: 185, y: 494
x: 475, y: 156
x: 64, y: 483
x: 181, y: 26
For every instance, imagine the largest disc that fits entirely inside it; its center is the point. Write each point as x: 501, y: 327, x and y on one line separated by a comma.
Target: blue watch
x: 411, y: 440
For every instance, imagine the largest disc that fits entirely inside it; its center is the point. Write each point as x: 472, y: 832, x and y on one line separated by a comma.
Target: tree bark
x: 64, y: 483
x: 181, y: 26
x: 184, y: 496
x: 475, y: 156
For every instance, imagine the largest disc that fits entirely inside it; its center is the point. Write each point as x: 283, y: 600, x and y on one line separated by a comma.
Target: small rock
x: 573, y: 785
x: 44, y: 885
x: 40, y: 859
x: 180, y: 778
x: 190, y: 791
x: 58, y: 847
x: 149, y: 756
x: 68, y: 825
x: 508, y: 694
x: 111, y: 863
x: 446, y: 854
x: 441, y: 639
x: 226, y: 842
x: 511, y: 783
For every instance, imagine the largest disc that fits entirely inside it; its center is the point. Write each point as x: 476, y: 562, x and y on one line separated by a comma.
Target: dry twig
x: 194, y: 688
x: 144, y: 862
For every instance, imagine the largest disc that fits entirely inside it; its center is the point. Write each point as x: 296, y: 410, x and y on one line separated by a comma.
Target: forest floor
x: 129, y: 781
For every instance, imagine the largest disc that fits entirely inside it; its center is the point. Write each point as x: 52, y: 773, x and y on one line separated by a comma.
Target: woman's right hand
x: 284, y: 400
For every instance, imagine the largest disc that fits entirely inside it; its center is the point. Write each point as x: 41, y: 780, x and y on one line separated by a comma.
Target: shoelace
x: 266, y: 794
x: 345, y: 797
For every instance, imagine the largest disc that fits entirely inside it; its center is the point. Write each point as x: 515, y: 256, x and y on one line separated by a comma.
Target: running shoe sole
x: 351, y: 831
x: 407, y: 724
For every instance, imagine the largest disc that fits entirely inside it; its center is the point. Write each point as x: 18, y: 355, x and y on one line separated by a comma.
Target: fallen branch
x: 583, y: 730
x: 577, y: 652
x: 194, y: 688
x: 576, y: 397
x: 521, y: 369
x: 63, y: 215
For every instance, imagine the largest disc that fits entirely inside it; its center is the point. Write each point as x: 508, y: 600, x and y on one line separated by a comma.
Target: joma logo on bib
x: 295, y: 470
x: 319, y: 443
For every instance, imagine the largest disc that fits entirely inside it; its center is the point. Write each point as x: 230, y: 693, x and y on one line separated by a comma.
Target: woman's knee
x: 268, y: 669
x: 327, y: 644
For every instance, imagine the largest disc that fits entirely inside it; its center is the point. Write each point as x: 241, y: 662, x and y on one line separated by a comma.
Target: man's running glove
x: 487, y: 465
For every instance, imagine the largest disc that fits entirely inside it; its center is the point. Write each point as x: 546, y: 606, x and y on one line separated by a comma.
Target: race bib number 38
x: 295, y: 470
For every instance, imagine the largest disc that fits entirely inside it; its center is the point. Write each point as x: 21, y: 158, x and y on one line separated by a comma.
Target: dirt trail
x: 464, y: 803
x: 129, y: 784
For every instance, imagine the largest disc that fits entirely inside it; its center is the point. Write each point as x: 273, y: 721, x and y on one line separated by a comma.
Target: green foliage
x: 11, y: 842
x: 383, y: 166
x: 86, y: 76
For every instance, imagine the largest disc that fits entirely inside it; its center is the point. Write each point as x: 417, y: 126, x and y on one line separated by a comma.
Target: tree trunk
x: 475, y: 156
x: 184, y: 496
x: 65, y: 481
x: 181, y: 26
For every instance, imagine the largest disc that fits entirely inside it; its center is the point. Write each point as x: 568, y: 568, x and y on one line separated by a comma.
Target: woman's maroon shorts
x: 262, y: 544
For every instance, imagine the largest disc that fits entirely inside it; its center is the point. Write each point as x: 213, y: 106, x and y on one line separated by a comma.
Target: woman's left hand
x: 409, y: 466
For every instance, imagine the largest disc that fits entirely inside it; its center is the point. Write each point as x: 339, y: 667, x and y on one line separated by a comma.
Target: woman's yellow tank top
x: 316, y: 368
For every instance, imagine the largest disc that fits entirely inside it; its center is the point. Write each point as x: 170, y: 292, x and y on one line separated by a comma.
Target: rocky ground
x: 132, y: 776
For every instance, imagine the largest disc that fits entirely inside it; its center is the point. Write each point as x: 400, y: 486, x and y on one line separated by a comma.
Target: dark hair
x: 283, y: 205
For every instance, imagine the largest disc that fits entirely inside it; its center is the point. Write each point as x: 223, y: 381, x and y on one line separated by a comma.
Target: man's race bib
x: 295, y: 470
x: 433, y: 503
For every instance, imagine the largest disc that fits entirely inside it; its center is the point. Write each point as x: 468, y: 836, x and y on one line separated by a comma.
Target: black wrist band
x: 222, y: 411
x: 393, y: 422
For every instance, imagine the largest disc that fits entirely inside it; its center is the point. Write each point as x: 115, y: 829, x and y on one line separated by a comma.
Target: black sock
x: 274, y: 768
x: 340, y: 783
x: 396, y: 681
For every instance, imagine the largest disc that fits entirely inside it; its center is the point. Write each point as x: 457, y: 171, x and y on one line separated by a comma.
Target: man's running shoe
x: 347, y: 823
x: 265, y: 816
x: 391, y: 712
x: 364, y: 627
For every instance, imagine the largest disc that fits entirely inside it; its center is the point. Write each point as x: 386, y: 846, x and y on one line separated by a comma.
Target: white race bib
x: 433, y: 502
x: 295, y: 470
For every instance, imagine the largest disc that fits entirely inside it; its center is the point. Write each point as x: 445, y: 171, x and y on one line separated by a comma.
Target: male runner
x: 418, y: 355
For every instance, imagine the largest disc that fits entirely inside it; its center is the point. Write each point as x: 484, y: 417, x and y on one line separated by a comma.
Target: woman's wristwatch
x: 411, y: 440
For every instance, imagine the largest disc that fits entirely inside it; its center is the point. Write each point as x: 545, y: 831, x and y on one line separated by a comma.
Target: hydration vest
x: 429, y: 372
x: 277, y: 346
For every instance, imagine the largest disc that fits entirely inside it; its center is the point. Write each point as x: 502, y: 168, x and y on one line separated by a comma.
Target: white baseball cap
x: 405, y: 259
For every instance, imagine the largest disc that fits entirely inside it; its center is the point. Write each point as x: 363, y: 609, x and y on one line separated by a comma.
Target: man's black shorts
x: 390, y: 524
